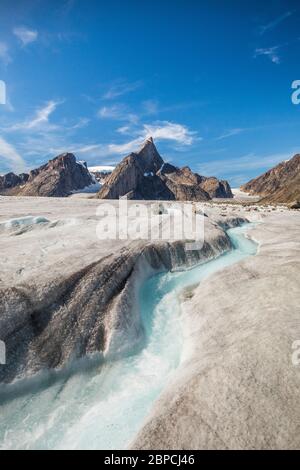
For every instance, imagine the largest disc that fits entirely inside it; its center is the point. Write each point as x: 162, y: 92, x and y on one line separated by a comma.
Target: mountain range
x: 140, y: 175
x: 145, y: 175
x: 57, y: 178
x: 280, y: 184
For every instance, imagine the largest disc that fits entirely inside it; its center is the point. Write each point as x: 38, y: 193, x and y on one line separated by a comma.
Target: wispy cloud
x: 165, y: 130
x: 270, y: 52
x: 125, y: 148
x: 25, y: 35
x: 12, y: 159
x: 82, y: 122
x: 39, y: 138
x: 125, y: 130
x: 272, y: 24
x: 39, y: 120
x: 118, y: 112
x: 120, y: 88
x: 107, y: 150
x: 160, y: 130
x: 151, y: 106
x: 5, y: 57
x: 273, y: 52
x: 230, y: 133
x: 42, y: 115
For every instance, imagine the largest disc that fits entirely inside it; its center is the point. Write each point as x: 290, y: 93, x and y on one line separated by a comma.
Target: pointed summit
x: 149, y: 156
x: 147, y: 143
x: 144, y: 175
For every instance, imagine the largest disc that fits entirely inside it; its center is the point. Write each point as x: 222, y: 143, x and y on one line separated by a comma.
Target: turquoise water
x: 103, y: 407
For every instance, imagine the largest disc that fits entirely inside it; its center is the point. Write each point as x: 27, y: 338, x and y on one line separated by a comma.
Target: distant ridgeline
x: 140, y: 175
x: 57, y: 178
x: 280, y: 184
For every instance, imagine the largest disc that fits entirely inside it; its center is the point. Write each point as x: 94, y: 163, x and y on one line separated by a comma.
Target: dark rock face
x: 136, y: 177
x: 58, y: 178
x: 216, y: 188
x: 144, y: 175
x: 183, y: 183
x: 10, y: 180
x: 281, y: 184
x: 126, y: 177
x: 149, y: 158
x: 100, y: 176
x: 294, y: 205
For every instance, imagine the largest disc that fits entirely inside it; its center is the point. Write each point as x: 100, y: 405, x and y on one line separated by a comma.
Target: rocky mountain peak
x: 280, y: 184
x: 63, y: 160
x: 144, y: 175
x: 149, y: 157
x: 59, y: 177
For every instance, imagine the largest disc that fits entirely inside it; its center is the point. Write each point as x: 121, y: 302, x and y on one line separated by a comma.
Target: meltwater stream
x: 105, y: 406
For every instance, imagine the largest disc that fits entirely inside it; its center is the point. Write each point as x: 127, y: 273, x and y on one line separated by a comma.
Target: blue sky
x: 209, y: 80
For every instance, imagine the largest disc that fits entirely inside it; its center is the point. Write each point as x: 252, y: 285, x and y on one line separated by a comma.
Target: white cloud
x: 161, y: 130
x: 103, y: 150
x: 42, y: 115
x: 40, y: 120
x: 11, y: 157
x: 123, y: 149
x: 110, y: 112
x: 118, y: 112
x: 275, y: 22
x: 124, y: 130
x: 165, y: 130
x: 120, y: 88
x: 151, y: 106
x: 270, y: 52
x: 5, y: 57
x: 273, y: 52
x: 41, y: 138
x: 82, y: 122
x: 25, y: 35
x: 230, y: 133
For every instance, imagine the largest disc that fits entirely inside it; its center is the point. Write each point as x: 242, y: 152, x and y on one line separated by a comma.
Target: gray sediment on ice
x: 52, y: 314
